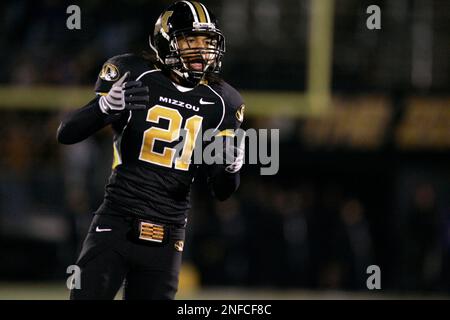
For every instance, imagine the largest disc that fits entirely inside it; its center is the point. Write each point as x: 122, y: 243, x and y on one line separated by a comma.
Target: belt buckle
x: 151, y: 232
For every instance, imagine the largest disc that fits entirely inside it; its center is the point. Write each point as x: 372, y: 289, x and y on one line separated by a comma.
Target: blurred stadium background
x: 364, y: 119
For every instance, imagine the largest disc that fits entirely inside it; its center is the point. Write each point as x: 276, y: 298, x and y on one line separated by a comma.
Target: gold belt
x: 151, y: 232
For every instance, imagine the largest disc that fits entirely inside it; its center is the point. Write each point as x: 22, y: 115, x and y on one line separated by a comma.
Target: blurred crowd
x: 267, y: 42
x: 311, y: 226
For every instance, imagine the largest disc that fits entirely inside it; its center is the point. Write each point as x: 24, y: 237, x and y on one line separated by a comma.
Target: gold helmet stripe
x: 164, y: 21
x: 207, y: 13
x: 200, y: 11
x: 194, y: 12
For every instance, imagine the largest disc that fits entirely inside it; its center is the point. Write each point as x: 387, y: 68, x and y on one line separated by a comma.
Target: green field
x: 58, y: 291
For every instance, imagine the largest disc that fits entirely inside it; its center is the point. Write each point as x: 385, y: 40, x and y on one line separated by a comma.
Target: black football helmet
x: 182, y: 20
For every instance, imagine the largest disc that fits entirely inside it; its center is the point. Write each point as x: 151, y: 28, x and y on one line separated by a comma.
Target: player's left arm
x: 224, y: 179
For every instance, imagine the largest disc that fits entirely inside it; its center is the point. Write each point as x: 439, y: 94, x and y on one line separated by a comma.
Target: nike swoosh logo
x: 205, y: 102
x: 102, y: 230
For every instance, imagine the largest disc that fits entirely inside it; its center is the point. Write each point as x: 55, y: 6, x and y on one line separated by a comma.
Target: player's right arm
x: 82, y: 123
x: 114, y: 96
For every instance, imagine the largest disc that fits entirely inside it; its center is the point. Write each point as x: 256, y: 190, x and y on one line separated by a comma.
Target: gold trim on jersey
x: 226, y: 133
x: 116, y: 157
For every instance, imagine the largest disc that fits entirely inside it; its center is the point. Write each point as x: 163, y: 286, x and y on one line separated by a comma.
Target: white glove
x: 124, y: 96
x: 238, y: 153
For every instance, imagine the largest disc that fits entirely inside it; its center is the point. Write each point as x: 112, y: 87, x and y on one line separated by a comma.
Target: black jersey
x: 150, y: 177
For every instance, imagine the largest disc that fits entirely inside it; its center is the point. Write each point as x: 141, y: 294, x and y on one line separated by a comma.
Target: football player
x: 154, y: 103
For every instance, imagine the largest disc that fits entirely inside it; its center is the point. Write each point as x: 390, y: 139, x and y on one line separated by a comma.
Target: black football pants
x: 111, y: 257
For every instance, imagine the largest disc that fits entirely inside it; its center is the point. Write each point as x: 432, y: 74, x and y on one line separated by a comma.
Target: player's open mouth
x: 197, y: 66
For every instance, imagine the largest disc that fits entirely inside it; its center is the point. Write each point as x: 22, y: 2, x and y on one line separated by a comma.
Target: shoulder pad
x: 234, y: 105
x: 116, y: 66
x: 230, y: 95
